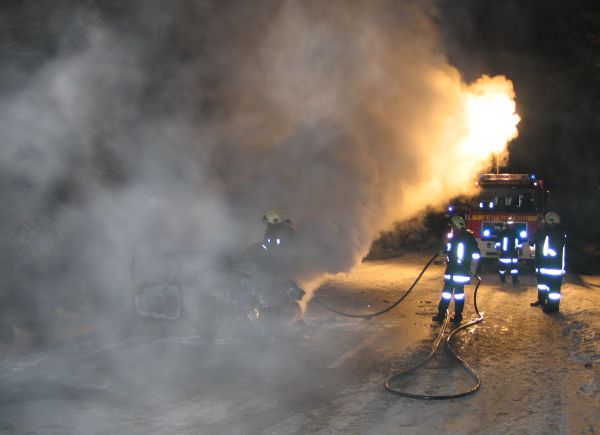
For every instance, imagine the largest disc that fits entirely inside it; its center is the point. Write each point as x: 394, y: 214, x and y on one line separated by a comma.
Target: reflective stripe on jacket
x: 461, y: 251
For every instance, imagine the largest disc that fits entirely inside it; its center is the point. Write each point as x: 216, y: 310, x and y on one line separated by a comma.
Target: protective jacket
x: 277, y: 234
x: 550, y: 250
x: 508, y: 243
x: 461, y: 250
x: 535, y: 241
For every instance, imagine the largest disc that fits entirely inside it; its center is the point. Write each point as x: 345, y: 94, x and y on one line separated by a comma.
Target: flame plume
x: 492, y: 121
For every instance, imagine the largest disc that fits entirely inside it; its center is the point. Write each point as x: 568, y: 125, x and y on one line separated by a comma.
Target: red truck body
x: 520, y: 196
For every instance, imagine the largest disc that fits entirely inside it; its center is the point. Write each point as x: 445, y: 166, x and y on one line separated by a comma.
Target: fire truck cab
x: 520, y: 196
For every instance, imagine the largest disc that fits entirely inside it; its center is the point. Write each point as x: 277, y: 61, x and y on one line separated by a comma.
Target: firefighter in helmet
x: 463, y: 254
x: 508, y: 245
x: 549, y: 242
x: 278, y: 231
x: 275, y: 250
x: 534, y: 241
x: 274, y: 264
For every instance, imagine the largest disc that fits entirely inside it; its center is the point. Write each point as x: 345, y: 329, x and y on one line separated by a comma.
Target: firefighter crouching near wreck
x: 463, y: 254
x: 549, y: 242
x: 278, y: 232
x: 508, y: 245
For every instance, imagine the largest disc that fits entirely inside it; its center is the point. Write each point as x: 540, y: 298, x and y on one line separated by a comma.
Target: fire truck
x: 520, y: 196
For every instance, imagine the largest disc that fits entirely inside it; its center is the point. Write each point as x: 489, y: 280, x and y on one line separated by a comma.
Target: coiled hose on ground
x: 398, y: 374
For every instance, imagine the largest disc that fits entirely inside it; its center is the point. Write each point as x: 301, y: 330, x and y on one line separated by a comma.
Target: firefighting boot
x: 540, y: 300
x: 502, y: 278
x: 439, y: 318
x: 515, y: 280
x: 459, y: 305
x: 442, y: 307
x: 456, y: 319
x: 551, y: 308
x: 552, y: 303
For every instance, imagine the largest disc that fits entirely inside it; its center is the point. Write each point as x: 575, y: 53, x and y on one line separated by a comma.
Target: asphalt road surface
x: 540, y: 372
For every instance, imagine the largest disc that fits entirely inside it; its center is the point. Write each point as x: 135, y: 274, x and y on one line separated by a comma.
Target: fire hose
x: 385, y: 310
x: 472, y: 373
x: 398, y: 374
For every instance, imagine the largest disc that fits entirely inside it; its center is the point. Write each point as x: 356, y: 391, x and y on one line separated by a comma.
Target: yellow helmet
x: 272, y: 217
x: 458, y: 222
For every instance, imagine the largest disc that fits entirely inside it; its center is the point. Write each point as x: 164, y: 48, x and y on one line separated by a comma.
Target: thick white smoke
x: 345, y: 117
x: 178, y: 135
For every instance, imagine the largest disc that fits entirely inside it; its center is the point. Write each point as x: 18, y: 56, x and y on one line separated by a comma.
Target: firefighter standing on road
x: 461, y: 249
x: 542, y: 288
x: 550, y: 242
x: 508, y: 245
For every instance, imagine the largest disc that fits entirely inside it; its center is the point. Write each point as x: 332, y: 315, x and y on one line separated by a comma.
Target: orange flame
x: 491, y: 116
x: 468, y: 126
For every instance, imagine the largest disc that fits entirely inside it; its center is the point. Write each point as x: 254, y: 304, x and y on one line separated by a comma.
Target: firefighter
x: 508, y: 245
x: 537, y: 240
x: 278, y: 231
x: 461, y: 250
x: 273, y: 259
x: 550, y: 241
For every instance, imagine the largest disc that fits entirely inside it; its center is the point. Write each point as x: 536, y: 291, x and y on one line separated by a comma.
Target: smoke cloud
x: 163, y: 127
